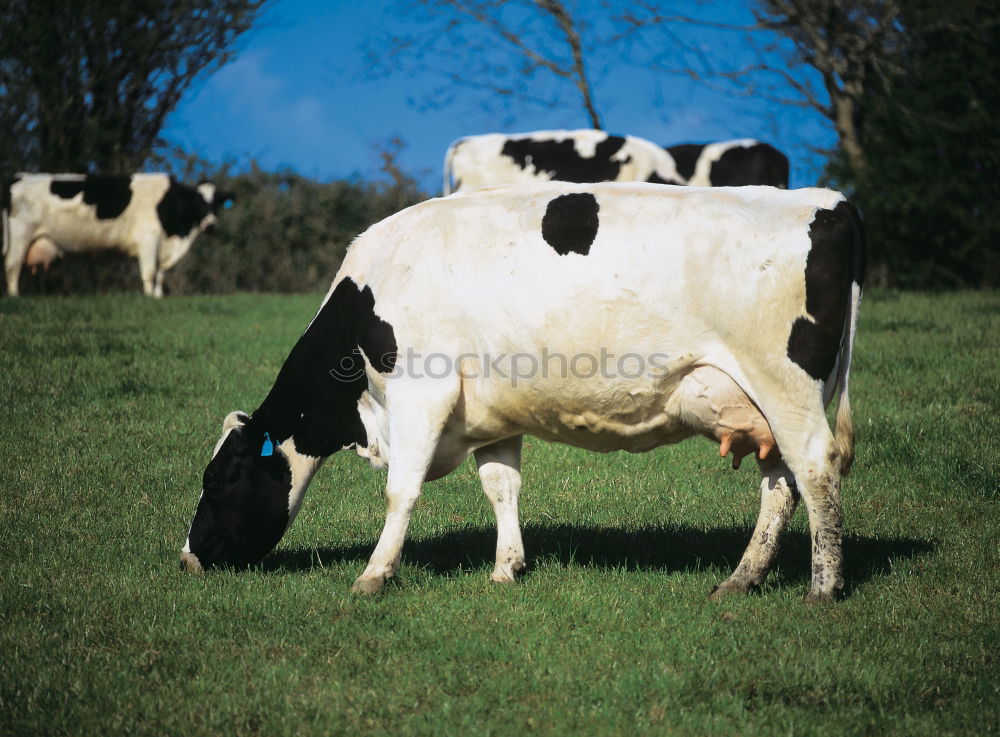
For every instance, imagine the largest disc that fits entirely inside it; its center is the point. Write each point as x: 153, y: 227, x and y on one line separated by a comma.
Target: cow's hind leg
x: 793, y: 407
x: 16, y: 245
x: 814, y: 458
x: 158, y: 283
x: 820, y: 488
x: 778, y: 499
x: 499, y: 470
x: 416, y: 418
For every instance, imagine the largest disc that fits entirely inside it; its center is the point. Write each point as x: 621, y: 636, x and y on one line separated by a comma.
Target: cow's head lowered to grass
x: 262, y: 464
x: 244, y: 506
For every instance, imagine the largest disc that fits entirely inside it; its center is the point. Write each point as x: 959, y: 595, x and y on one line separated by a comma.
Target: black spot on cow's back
x: 570, y: 223
x: 109, y: 195
x: 836, y: 259
x: 181, y: 209
x: 562, y: 162
x: 686, y: 157
x: 67, y: 189
x: 740, y: 166
x: 316, y: 393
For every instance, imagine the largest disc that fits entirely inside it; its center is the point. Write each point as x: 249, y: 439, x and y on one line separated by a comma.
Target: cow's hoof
x: 730, y: 587
x: 508, y: 573
x: 820, y: 597
x: 368, y: 586
x: 190, y: 562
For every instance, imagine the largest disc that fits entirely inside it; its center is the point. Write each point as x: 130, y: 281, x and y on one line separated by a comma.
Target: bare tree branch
x: 849, y: 45
x: 525, y: 51
x: 568, y: 28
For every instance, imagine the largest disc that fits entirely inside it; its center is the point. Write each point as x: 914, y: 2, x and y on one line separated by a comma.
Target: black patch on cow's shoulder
x: 109, y: 195
x: 686, y: 157
x: 316, y: 393
x: 181, y: 209
x: 836, y: 259
x: 740, y: 166
x: 562, y: 162
x: 570, y: 223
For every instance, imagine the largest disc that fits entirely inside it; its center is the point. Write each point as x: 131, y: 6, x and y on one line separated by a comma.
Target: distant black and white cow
x: 731, y: 163
x: 568, y: 156
x: 607, y: 316
x: 150, y: 217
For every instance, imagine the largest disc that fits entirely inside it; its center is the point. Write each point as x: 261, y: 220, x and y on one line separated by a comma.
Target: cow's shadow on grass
x: 658, y: 548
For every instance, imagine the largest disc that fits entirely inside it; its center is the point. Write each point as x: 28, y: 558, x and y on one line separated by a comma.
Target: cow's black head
x: 219, y: 200
x: 244, y: 506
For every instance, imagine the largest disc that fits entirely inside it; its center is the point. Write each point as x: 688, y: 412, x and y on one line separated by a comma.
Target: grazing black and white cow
x: 568, y: 156
x: 736, y: 163
x: 150, y: 217
x: 607, y: 316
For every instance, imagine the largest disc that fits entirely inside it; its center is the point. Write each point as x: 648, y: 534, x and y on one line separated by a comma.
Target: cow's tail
x: 5, y: 216
x: 449, y: 158
x: 844, y: 427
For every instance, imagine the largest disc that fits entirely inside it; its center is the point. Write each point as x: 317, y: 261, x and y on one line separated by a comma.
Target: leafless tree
x: 88, y: 84
x: 524, y: 50
x: 827, y: 55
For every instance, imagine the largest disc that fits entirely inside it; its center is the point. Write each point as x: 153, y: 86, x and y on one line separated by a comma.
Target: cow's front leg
x: 13, y: 270
x: 148, y: 268
x: 499, y: 470
x: 401, y: 494
x: 778, y: 499
x: 417, y: 413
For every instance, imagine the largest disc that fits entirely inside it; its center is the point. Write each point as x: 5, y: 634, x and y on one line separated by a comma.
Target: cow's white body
x: 479, y: 161
x: 42, y: 226
x: 520, y: 298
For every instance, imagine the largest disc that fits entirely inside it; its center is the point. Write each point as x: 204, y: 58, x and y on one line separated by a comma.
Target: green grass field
x: 111, y: 407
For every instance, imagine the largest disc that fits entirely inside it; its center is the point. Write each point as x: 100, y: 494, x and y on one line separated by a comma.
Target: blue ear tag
x: 268, y: 447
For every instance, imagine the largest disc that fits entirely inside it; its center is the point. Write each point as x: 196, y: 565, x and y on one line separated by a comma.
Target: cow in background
x: 150, y: 217
x: 735, y: 163
x: 569, y: 156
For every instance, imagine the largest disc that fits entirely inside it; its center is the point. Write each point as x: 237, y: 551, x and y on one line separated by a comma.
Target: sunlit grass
x: 111, y: 406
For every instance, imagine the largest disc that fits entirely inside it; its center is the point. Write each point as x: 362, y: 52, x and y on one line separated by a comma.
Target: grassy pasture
x: 111, y: 406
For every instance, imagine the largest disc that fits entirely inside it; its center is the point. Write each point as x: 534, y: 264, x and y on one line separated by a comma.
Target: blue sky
x: 297, y: 95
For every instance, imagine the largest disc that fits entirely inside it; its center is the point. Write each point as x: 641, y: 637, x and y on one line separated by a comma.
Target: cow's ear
x: 234, y: 419
x: 207, y: 190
